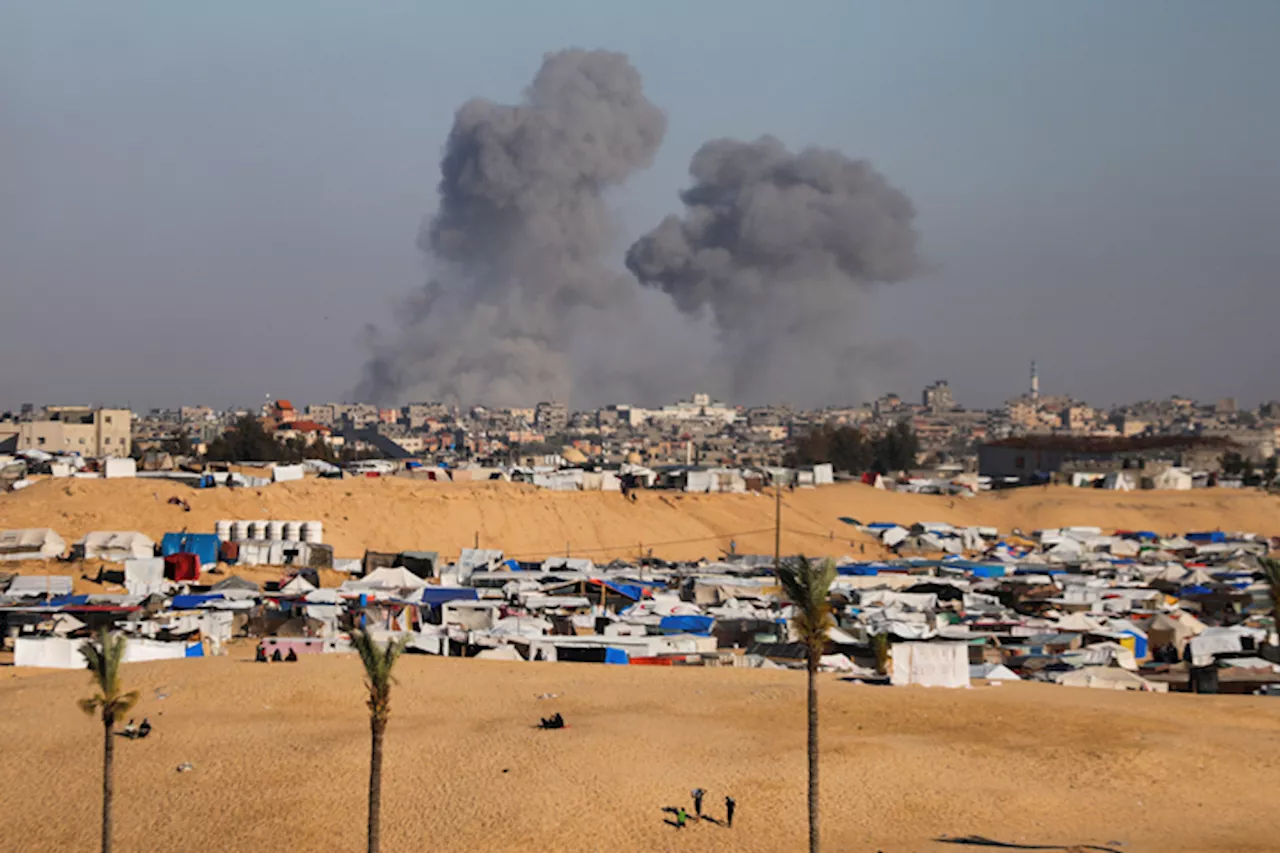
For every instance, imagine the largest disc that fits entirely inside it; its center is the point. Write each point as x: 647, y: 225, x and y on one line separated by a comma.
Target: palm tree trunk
x: 377, y: 727
x: 814, y: 844
x: 108, y: 723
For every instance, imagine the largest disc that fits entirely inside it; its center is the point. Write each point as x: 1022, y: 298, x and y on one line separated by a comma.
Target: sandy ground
x: 399, y: 514
x: 281, y: 761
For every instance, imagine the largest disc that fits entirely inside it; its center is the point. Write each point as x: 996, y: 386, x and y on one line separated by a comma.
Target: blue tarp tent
x: 988, y: 571
x: 436, y: 595
x: 195, y: 650
x: 858, y: 569
x: 1207, y: 536
x: 203, y: 545
x: 615, y: 655
x: 1139, y: 644
x: 632, y: 591
x: 700, y: 625
x: 191, y: 602
x: 1198, y: 589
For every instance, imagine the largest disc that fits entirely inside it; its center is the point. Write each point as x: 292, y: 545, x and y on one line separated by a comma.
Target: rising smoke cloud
x: 516, y: 247
x: 776, y: 247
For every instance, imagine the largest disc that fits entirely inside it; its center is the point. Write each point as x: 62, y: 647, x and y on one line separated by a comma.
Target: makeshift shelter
x: 931, y: 664
x: 114, y: 546
x: 182, y: 567
x: 33, y: 543
x: 421, y: 563
x: 203, y: 545
x: 388, y: 578
x: 143, y: 576
x: 29, y: 586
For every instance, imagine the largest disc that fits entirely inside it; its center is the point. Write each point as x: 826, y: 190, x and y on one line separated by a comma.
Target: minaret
x: 1035, y: 384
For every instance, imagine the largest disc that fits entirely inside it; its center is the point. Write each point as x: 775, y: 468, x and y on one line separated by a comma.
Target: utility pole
x: 777, y: 525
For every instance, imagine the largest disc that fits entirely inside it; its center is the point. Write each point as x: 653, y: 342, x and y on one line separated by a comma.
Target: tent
x: 1117, y: 481
x: 500, y: 653
x: 700, y: 625
x: 114, y: 546
x: 203, y: 545
x: 182, y: 567
x: 421, y: 563
x: 143, y: 576
x: 26, y: 586
x: 931, y: 664
x: 1178, y: 479
x: 389, y: 578
x: 298, y: 586
x: 33, y: 543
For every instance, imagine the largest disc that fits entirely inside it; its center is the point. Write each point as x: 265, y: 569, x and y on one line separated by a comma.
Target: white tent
x: 115, y: 546
x: 1174, y: 479
x: 143, y: 576
x: 931, y: 664
x: 26, y: 586
x: 32, y: 543
x: 386, y: 578
x: 1109, y: 678
x: 298, y: 586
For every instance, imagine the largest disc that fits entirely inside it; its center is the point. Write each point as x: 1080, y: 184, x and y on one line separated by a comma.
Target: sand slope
x: 395, y: 513
x: 281, y: 756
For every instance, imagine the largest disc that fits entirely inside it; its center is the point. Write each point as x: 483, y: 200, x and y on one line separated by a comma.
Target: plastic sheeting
x: 931, y: 664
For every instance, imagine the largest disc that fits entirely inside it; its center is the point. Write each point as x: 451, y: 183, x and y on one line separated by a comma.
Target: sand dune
x: 395, y: 513
x: 281, y: 751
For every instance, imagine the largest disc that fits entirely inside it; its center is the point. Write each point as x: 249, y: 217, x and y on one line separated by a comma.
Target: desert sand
x: 281, y: 761
x: 398, y: 514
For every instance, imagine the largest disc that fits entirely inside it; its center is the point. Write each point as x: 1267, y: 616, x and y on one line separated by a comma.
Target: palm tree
x: 377, y: 660
x: 808, y: 587
x: 104, y: 658
x: 1271, y: 568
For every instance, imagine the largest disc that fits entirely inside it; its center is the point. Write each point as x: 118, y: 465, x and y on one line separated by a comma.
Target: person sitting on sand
x: 131, y: 730
x: 276, y: 656
x: 292, y: 657
x: 261, y: 655
x: 145, y: 728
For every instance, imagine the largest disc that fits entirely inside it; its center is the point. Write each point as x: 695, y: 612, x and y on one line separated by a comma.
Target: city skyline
x: 174, y: 234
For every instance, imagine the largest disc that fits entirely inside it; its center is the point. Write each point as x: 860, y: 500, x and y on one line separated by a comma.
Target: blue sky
x: 208, y: 202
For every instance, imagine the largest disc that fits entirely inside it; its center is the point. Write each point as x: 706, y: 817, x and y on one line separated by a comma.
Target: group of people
x: 261, y: 656
x: 133, y: 731
x: 555, y: 721
x: 682, y: 816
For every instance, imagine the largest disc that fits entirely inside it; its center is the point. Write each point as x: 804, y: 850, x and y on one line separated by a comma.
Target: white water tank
x: 292, y: 531
x: 240, y: 530
x: 275, y: 530
x: 223, y: 530
x: 313, y: 532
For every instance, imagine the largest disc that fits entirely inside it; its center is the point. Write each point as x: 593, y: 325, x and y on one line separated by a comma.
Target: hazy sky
x: 207, y: 202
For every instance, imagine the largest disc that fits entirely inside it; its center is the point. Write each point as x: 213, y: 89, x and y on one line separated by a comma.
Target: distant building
x: 78, y: 429
x: 1031, y: 457
x: 937, y: 398
x: 323, y: 414
x: 551, y: 417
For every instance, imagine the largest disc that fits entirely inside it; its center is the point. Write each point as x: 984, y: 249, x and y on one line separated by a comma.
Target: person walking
x: 698, y: 794
x: 729, y: 806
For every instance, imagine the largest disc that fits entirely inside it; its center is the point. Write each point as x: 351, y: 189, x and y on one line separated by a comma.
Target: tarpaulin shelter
x: 439, y: 594
x: 35, y: 543
x: 700, y: 625
x: 114, y: 545
x: 203, y: 545
x: 182, y: 567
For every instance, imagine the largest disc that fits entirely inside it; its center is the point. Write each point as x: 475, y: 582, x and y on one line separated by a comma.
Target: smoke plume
x: 515, y: 249
x: 777, y: 246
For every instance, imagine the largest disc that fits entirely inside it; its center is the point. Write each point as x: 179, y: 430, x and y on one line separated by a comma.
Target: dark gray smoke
x: 515, y: 249
x: 777, y: 247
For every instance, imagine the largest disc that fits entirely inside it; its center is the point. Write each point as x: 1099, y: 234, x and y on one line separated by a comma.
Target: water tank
x: 275, y: 530
x: 223, y: 529
x: 313, y: 532
x: 259, y: 530
x: 240, y: 530
x: 292, y: 531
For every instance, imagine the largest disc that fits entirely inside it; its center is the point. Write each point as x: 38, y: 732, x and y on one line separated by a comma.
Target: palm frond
x: 807, y: 585
x: 378, y: 660
x: 103, y: 655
